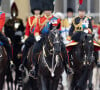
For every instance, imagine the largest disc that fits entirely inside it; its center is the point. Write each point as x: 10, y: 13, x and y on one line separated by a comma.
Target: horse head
x: 54, y: 38
x: 52, y: 49
x: 88, y: 47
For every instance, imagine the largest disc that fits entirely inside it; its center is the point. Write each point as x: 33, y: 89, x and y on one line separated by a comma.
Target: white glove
x: 38, y: 38
x: 23, y: 40
x: 86, y: 31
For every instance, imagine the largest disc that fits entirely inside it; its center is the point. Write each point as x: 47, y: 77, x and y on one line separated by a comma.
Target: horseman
x: 81, y: 23
x: 30, y: 26
x: 42, y: 30
x: 4, y: 40
x: 14, y: 27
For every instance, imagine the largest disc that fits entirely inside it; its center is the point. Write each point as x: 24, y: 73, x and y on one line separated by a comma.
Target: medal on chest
x: 85, y: 23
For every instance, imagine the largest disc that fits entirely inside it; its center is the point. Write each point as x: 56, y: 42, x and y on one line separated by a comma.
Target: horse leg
x: 8, y: 86
x: 60, y: 85
x: 11, y: 85
x: 74, y: 81
x: 43, y: 83
x: 1, y: 81
x: 15, y: 86
x: 90, y: 81
x: 82, y: 82
x: 55, y: 84
x: 64, y: 81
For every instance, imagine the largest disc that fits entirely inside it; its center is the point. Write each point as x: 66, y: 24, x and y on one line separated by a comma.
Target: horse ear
x: 51, y: 27
x: 93, y: 36
x: 58, y: 27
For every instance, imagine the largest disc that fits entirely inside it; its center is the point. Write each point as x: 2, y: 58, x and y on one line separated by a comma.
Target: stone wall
x: 24, y: 9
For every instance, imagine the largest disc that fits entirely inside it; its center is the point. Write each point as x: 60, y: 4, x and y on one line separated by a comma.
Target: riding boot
x: 37, y: 48
x: 25, y: 52
x: 24, y: 57
x: 28, y: 43
x: 9, y: 53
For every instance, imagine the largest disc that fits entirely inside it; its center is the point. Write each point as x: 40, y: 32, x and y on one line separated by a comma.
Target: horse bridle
x: 54, y: 42
x: 52, y: 70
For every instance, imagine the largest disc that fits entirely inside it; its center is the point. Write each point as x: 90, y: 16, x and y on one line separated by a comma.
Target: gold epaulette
x: 64, y: 23
x: 77, y: 25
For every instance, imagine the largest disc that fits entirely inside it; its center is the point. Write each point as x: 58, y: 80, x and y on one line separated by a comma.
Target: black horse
x: 83, y: 60
x: 52, y: 60
x: 3, y: 65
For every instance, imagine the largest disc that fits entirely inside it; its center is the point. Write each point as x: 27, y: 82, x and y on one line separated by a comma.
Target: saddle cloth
x: 73, y: 43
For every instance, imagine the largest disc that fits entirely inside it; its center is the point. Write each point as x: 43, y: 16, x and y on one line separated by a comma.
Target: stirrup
x: 32, y: 76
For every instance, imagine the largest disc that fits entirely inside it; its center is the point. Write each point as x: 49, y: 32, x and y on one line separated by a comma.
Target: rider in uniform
x: 4, y: 39
x: 66, y: 24
x: 41, y: 30
x: 14, y: 27
x: 30, y: 27
x: 80, y: 23
x: 69, y: 15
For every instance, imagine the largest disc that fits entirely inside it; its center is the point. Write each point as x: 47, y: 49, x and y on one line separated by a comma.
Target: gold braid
x: 78, y: 27
x: 34, y: 22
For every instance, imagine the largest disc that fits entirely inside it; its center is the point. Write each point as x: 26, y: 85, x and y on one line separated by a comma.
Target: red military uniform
x: 99, y: 32
x: 2, y: 20
x: 31, y: 24
x: 44, y: 23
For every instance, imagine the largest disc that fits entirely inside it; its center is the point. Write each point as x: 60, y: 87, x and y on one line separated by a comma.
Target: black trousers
x: 37, y: 48
x: 28, y: 43
x: 6, y: 45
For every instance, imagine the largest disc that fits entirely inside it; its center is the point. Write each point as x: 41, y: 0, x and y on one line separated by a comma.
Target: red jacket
x: 30, y: 26
x: 2, y: 20
x: 42, y: 22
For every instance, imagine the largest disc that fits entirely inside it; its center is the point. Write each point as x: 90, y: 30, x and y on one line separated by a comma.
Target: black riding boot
x: 28, y: 43
x: 37, y: 48
x: 7, y: 47
x: 9, y: 53
x: 25, y: 52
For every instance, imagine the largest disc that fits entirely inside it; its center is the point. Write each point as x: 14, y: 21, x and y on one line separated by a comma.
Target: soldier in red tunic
x: 42, y: 30
x: 36, y: 9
